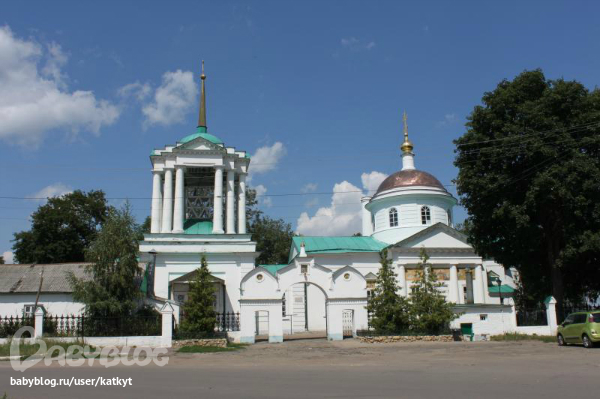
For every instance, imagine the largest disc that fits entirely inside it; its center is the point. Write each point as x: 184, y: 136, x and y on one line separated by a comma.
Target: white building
x: 198, y: 208
x: 20, y: 284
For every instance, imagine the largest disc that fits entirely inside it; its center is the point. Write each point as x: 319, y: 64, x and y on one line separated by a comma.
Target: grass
x: 231, y: 347
x: 27, y: 350
x: 523, y: 337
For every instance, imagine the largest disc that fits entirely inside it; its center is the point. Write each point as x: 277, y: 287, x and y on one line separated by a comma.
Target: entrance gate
x: 348, y: 323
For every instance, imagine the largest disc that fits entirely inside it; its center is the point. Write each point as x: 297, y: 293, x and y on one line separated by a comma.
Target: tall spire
x: 202, y: 116
x: 406, y: 146
x: 408, y: 161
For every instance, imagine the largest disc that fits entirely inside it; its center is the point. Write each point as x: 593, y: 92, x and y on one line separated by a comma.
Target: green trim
x: 196, y: 226
x: 272, y: 268
x: 336, y: 245
x: 505, y: 289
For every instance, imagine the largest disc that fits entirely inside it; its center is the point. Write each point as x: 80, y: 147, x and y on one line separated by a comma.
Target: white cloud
x: 8, y: 257
x: 266, y: 159
x: 311, y: 202
x: 343, y: 217
x: 35, y: 100
x: 53, y: 190
x: 355, y: 44
x: 173, y: 99
x: 448, y: 120
x: 261, y: 190
x: 137, y: 90
x: 309, y: 188
x: 371, y: 181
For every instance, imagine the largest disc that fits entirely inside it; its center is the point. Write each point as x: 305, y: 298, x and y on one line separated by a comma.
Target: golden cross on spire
x: 406, y: 146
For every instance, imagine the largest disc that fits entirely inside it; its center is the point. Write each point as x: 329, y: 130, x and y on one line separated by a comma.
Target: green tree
x: 428, y: 310
x: 389, y: 311
x: 112, y: 289
x: 1, y: 260
x: 528, y: 177
x: 62, y: 228
x: 273, y: 236
x: 199, y: 313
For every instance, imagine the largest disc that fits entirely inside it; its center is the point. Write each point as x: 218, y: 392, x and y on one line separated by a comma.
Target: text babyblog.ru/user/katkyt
x: 54, y: 382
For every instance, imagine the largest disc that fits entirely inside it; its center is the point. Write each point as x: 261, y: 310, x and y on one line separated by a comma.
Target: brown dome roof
x: 407, y: 178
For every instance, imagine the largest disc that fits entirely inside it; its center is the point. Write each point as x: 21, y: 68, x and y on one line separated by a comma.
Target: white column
x: 179, y: 212
x: 242, y: 205
x: 167, y: 326
x: 367, y: 223
x: 402, y: 281
x: 230, y: 202
x: 551, y: 314
x: 218, y: 201
x: 453, y: 285
x: 156, y: 202
x: 479, y: 285
x: 167, y: 218
x: 39, y: 322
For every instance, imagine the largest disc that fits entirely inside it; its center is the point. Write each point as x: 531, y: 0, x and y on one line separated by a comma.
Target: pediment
x: 436, y: 236
x: 201, y: 144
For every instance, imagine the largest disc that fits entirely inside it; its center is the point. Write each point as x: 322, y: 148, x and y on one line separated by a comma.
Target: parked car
x: 580, y: 328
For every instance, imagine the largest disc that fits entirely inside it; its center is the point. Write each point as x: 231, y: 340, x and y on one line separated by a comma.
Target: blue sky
x: 87, y: 90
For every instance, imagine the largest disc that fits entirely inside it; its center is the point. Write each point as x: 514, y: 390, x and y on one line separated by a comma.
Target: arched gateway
x: 345, y: 293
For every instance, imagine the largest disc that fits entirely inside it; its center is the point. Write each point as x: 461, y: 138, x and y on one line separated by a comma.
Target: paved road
x: 349, y: 369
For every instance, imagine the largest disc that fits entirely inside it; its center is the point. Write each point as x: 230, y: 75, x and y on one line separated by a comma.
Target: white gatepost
x: 39, y: 322
x: 167, y: 326
x: 551, y: 314
x: 275, y: 322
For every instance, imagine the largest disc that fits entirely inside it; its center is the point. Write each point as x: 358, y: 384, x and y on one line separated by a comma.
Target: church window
x: 449, y: 217
x: 425, y: 215
x: 393, y: 217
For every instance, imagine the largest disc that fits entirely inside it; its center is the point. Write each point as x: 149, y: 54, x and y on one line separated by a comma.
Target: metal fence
x: 531, y: 317
x: 10, y: 324
x: 84, y: 326
x: 228, y: 321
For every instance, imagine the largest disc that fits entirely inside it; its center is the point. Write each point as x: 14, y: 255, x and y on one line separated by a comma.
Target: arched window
x: 449, y: 217
x: 425, y: 215
x: 393, y: 217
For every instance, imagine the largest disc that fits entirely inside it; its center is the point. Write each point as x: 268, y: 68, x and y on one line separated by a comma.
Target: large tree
x: 112, y: 289
x: 428, y: 310
x: 387, y: 308
x: 62, y: 228
x: 529, y: 167
x: 199, y: 313
x: 273, y: 236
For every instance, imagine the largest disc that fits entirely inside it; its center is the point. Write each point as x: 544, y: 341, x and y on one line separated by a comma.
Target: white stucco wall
x: 55, y: 304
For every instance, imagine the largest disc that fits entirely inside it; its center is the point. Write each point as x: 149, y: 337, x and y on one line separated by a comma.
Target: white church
x: 199, y: 208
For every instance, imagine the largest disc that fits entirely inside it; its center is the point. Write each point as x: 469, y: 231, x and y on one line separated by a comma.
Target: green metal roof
x: 201, y: 132
x: 505, y: 289
x: 323, y: 245
x: 273, y: 268
x: 195, y: 226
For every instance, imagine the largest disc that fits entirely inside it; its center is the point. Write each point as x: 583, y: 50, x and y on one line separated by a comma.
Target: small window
x: 483, y: 317
x: 304, y: 269
x: 28, y: 310
x: 393, y: 217
x: 449, y: 217
x: 425, y: 215
x: 346, y: 276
